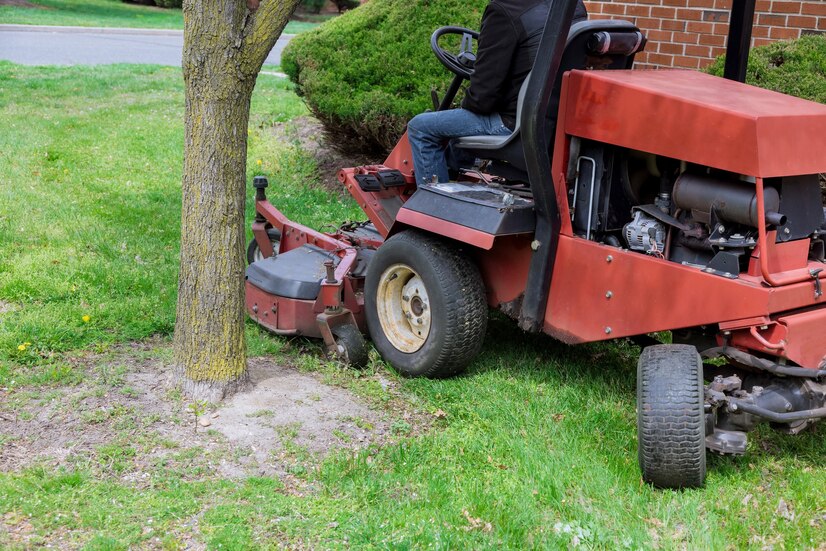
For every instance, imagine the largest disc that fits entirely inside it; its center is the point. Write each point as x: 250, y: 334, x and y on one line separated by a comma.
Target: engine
x: 690, y: 214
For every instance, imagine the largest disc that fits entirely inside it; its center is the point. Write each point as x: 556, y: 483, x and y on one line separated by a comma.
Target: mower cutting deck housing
x: 640, y: 202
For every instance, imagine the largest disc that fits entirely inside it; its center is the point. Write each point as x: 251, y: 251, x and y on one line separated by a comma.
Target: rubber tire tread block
x: 670, y: 416
x: 459, y: 307
x: 352, y: 340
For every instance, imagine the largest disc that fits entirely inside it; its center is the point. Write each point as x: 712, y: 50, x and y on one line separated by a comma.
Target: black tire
x: 352, y: 349
x: 455, y: 305
x: 670, y: 417
x: 254, y: 251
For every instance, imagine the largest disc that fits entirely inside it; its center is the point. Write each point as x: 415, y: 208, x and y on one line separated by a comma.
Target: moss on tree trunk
x: 225, y: 44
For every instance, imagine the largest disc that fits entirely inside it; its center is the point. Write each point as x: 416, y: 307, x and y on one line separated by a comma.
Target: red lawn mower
x: 625, y: 203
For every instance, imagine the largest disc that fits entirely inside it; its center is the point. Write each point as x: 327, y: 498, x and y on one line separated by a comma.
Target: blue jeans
x: 430, y: 136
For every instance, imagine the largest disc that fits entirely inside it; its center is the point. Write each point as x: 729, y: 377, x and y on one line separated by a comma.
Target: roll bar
x: 535, y: 134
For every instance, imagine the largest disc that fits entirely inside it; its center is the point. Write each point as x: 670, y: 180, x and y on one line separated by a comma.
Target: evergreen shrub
x: 366, y: 73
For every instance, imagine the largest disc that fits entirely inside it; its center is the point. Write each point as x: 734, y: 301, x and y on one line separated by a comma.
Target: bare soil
x: 131, y: 399
x: 311, y: 137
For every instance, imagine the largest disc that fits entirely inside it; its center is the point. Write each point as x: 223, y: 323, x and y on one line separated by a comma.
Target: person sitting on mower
x: 508, y: 41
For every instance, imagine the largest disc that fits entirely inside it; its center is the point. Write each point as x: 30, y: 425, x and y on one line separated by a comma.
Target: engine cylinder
x: 732, y: 201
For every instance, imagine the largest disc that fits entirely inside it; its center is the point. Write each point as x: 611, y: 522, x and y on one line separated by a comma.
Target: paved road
x: 40, y: 45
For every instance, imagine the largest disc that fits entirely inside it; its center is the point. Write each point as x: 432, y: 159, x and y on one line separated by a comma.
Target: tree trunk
x: 225, y: 44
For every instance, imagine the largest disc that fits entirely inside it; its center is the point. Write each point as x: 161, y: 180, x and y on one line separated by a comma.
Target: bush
x: 797, y: 68
x: 366, y: 73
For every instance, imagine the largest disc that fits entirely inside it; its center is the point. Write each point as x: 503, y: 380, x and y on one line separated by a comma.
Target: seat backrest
x: 602, y: 44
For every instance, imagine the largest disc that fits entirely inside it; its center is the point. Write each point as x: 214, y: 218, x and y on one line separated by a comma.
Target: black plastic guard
x: 294, y: 274
x: 480, y: 207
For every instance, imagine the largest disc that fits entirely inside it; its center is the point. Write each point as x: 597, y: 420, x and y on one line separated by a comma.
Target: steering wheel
x: 460, y: 64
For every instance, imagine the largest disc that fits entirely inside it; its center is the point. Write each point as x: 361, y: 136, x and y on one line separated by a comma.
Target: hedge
x: 797, y: 67
x: 366, y: 73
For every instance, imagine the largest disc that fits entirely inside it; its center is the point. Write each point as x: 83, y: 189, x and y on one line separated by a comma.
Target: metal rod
x: 747, y: 360
x: 773, y: 416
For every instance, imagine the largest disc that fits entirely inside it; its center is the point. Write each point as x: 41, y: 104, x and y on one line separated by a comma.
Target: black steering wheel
x: 460, y: 64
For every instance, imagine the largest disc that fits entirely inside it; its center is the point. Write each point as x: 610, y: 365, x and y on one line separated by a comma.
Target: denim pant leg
x: 430, y: 134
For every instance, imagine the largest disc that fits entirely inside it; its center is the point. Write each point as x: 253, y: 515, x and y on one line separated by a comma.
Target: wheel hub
x: 403, y: 308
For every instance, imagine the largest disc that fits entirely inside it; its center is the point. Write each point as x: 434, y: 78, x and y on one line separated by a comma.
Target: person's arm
x: 497, y: 42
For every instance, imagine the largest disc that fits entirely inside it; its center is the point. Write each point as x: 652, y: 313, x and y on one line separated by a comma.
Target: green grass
x: 536, y: 449
x: 108, y: 13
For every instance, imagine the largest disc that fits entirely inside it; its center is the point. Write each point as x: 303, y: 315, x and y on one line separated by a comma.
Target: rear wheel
x: 670, y: 417
x: 425, y: 305
x: 254, y: 253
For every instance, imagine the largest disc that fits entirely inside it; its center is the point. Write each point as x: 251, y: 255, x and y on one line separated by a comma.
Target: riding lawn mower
x: 625, y: 204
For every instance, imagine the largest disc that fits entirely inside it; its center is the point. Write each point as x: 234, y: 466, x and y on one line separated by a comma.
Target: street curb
x: 96, y: 30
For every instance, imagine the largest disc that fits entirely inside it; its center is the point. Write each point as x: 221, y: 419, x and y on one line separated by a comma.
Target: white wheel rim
x: 403, y: 308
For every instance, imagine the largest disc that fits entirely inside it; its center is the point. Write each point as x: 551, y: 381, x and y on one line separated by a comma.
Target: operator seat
x: 590, y: 45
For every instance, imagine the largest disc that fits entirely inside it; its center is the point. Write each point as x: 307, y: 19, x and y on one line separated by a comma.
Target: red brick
x: 648, y: 24
x: 673, y: 49
x: 762, y: 42
x: 699, y: 27
x: 659, y: 36
x: 677, y: 3
x: 784, y: 34
x: 698, y: 51
x: 760, y: 32
x: 702, y: 3
x: 663, y: 13
x: 673, y: 25
x: 690, y: 15
x: 653, y: 2
x: 705, y: 63
x: 821, y: 24
x: 722, y: 4
x: 685, y: 38
x: 661, y: 59
x: 614, y: 9
x: 813, y: 8
x: 802, y: 22
x: 721, y: 29
x: 763, y: 5
x: 781, y: 6
x: 687, y: 62
x: 714, y: 40
x: 771, y: 20
x: 640, y: 11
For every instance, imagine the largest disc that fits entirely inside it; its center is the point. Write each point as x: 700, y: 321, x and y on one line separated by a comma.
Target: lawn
x: 107, y: 13
x: 534, y: 448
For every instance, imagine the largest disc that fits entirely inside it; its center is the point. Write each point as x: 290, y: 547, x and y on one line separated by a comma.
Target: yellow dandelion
x: 27, y: 344
x: 86, y: 319
x: 21, y: 347
x: 258, y: 162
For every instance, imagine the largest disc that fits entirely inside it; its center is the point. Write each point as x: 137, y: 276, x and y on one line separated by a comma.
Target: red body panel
x: 699, y: 118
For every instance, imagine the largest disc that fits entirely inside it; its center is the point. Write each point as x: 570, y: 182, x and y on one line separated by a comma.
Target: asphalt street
x: 40, y: 45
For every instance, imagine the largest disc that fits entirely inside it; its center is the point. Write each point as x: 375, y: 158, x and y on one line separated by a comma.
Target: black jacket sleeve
x: 498, y: 40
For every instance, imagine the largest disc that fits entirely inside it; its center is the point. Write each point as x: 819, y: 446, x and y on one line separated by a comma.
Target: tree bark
x: 225, y: 44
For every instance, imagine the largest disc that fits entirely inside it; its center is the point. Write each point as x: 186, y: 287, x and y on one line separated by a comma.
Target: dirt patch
x: 309, y: 134
x: 22, y: 4
x: 127, y: 414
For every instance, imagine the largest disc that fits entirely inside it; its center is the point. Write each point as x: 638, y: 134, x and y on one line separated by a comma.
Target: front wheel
x: 425, y: 305
x: 670, y: 416
x: 254, y: 253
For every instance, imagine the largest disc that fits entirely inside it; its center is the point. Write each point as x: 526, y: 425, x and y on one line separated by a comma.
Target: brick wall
x: 691, y: 33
